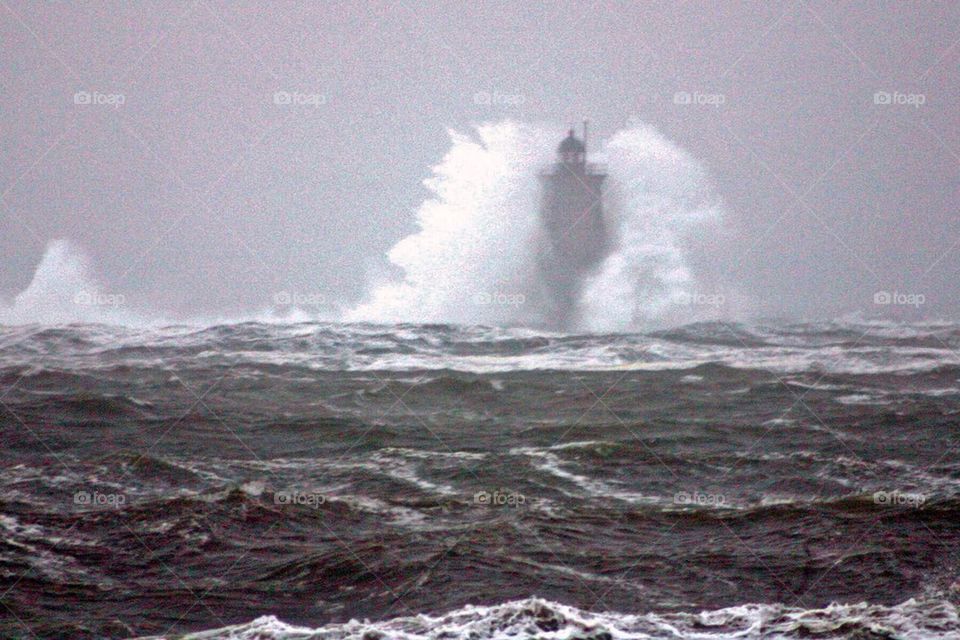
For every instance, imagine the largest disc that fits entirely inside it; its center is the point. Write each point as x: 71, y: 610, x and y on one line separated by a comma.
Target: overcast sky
x: 200, y: 193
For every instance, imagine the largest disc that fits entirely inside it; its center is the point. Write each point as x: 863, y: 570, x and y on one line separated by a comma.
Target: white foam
x: 62, y: 290
x: 659, y: 198
x: 476, y: 235
x: 545, y: 460
x: 65, y: 289
x: 935, y: 393
x: 404, y: 470
x: 424, y: 454
x: 474, y: 258
x: 862, y: 399
x: 912, y: 620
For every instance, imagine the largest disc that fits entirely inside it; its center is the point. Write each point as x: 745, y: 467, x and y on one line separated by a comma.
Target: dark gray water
x: 293, y: 477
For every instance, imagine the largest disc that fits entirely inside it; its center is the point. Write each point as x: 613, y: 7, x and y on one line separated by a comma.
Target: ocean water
x: 330, y: 480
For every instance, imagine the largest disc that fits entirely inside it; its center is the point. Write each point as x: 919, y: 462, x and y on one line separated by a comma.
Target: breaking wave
x: 538, y: 618
x: 659, y: 203
x: 474, y: 258
x: 473, y: 261
x: 63, y: 291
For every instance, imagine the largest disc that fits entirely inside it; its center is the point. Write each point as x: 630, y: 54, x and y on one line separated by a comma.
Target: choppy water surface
x: 292, y: 481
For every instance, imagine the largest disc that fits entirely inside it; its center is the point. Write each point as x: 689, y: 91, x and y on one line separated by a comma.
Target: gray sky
x: 200, y: 194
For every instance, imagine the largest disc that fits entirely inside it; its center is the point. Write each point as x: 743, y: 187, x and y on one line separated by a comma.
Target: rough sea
x: 332, y: 481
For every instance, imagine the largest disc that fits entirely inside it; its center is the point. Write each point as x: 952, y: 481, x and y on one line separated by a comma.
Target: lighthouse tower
x: 572, y: 215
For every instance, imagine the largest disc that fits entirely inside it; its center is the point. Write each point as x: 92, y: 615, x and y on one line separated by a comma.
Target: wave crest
x: 475, y: 257
x: 537, y: 618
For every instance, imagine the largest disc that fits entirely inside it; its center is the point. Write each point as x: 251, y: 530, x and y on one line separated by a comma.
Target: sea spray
x: 474, y: 258
x: 659, y: 201
x: 62, y: 290
x: 65, y: 288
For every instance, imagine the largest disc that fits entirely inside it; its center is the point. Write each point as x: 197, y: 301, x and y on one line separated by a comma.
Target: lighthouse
x: 572, y: 215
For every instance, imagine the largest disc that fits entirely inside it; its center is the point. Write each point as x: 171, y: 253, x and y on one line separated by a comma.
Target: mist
x: 211, y: 160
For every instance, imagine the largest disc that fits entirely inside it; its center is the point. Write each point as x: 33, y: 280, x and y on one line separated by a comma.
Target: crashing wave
x: 538, y: 618
x: 474, y: 259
